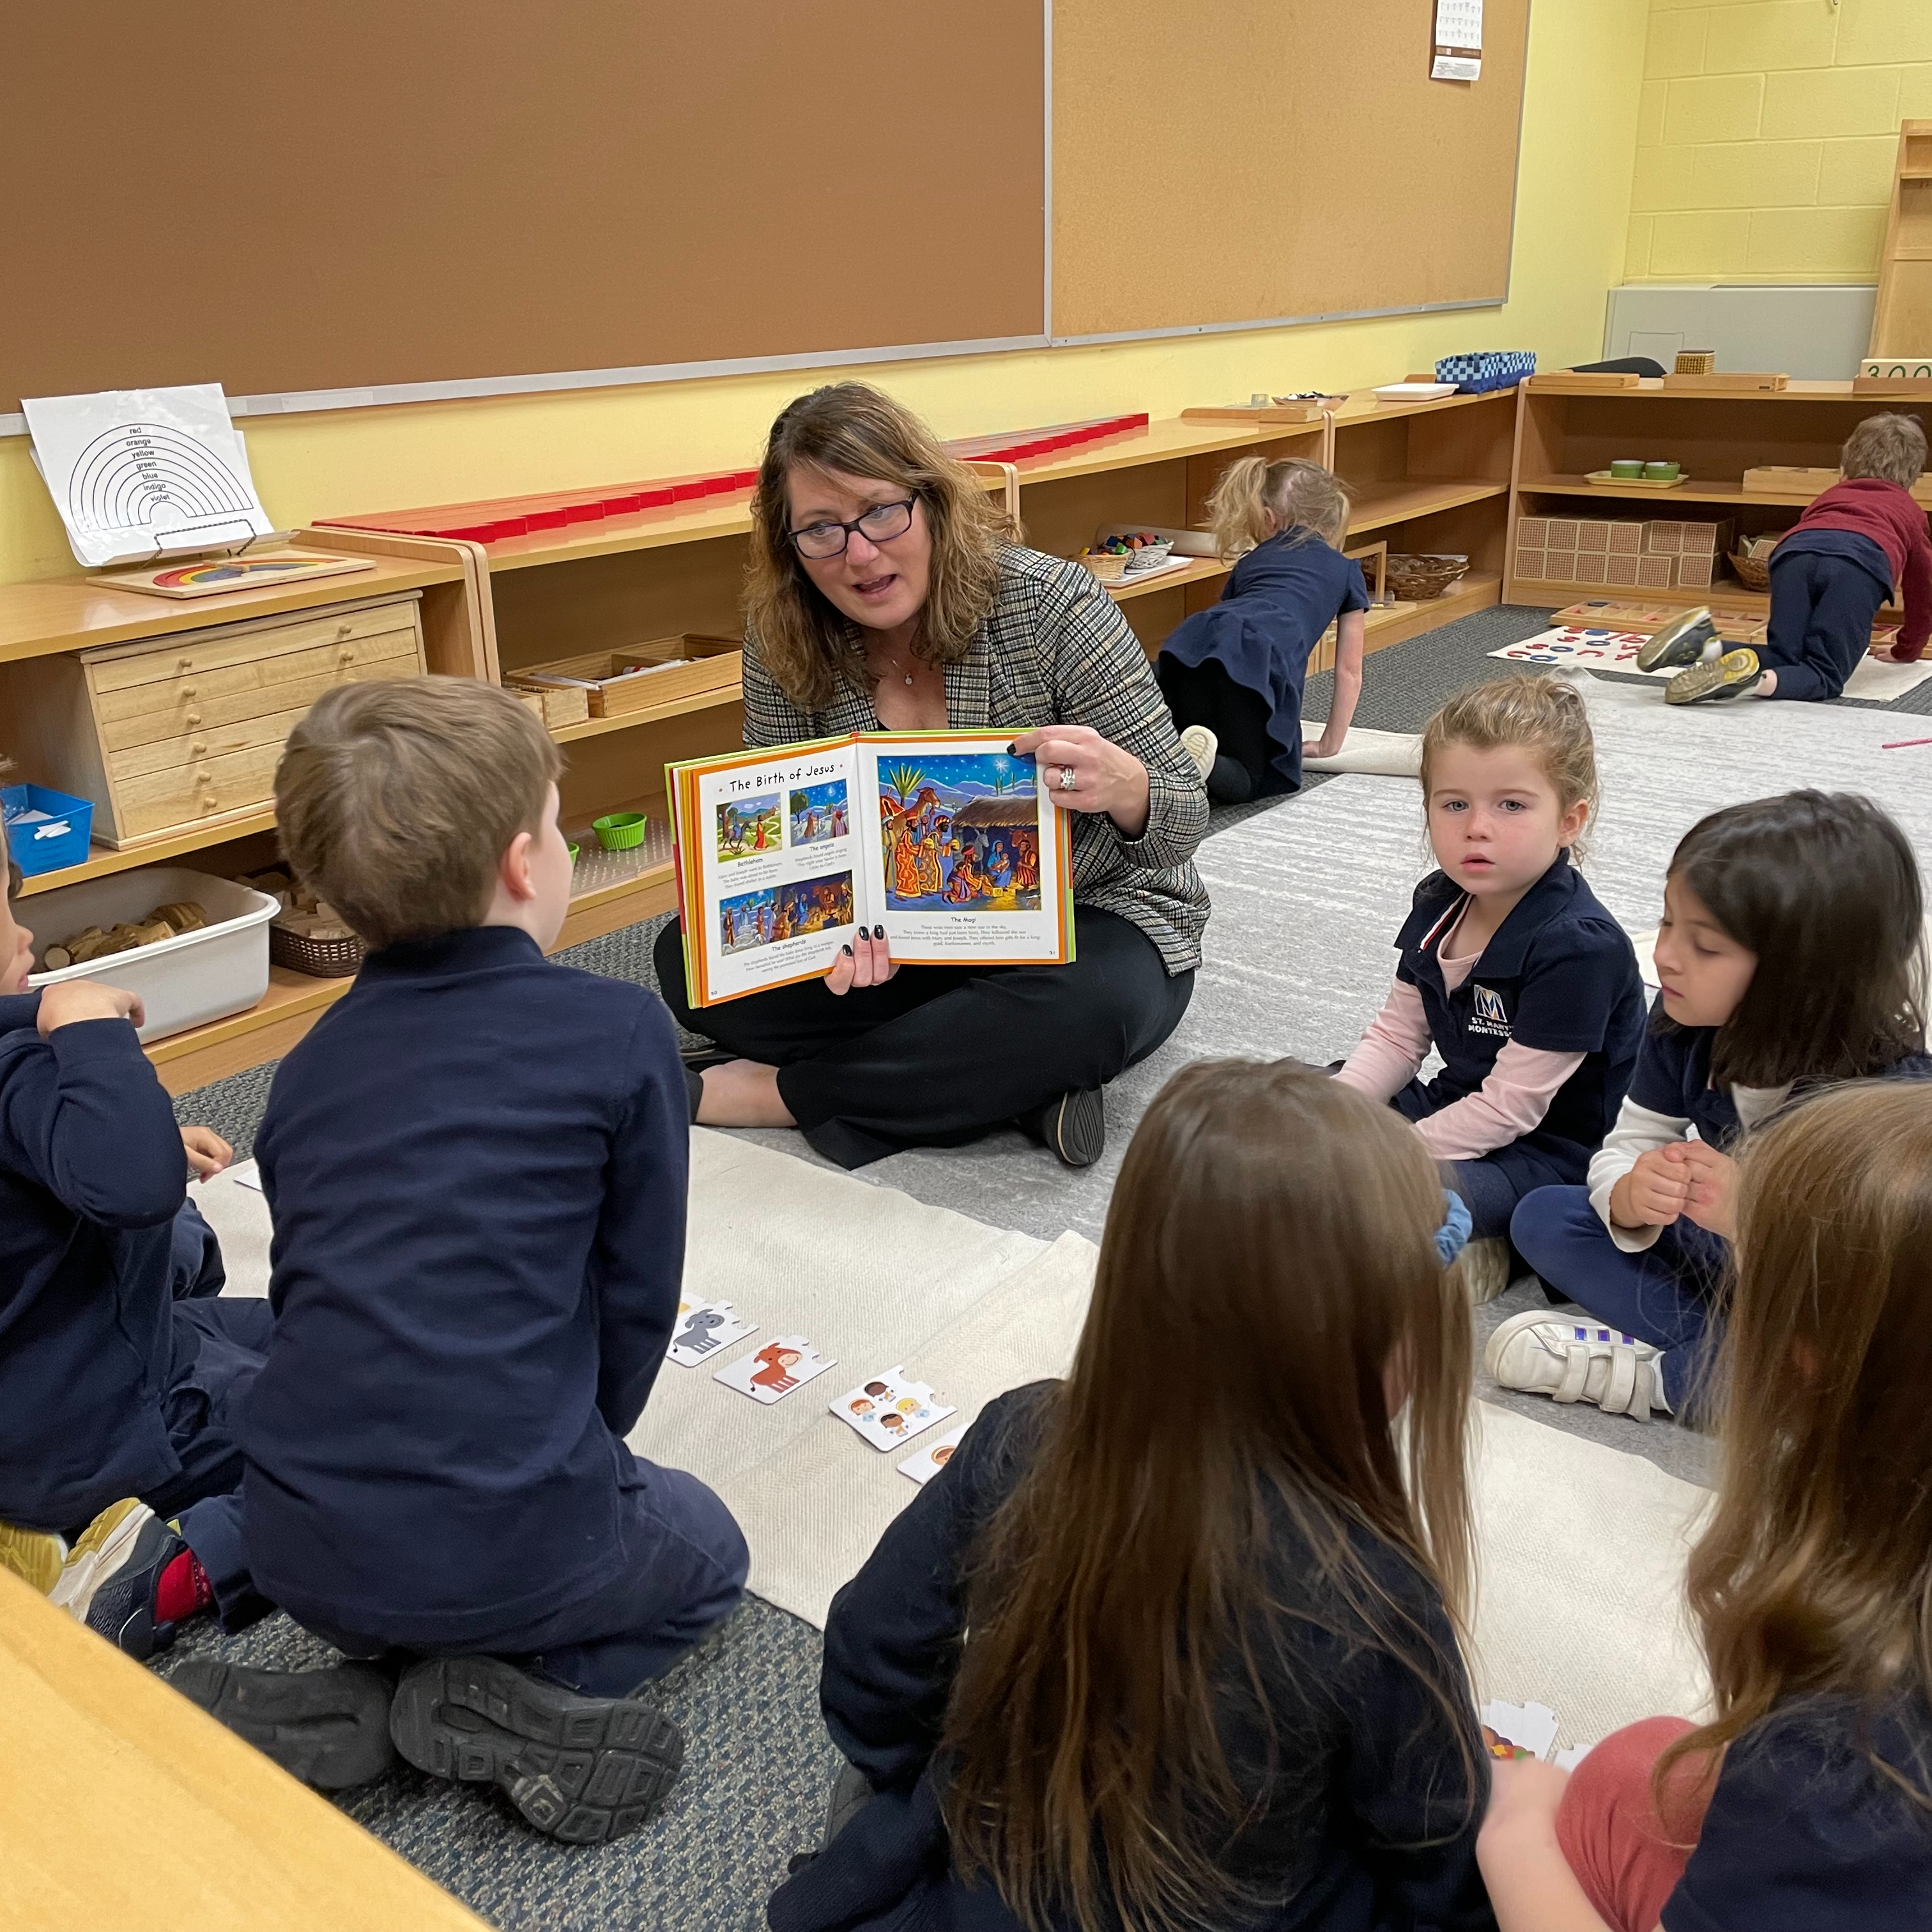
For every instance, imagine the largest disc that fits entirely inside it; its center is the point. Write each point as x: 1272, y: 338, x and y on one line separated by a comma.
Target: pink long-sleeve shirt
x: 1509, y: 1103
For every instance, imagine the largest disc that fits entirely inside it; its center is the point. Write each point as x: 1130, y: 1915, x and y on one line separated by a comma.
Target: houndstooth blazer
x: 1054, y: 649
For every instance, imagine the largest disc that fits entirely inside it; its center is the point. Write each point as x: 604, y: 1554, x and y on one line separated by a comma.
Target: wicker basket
x: 321, y: 959
x: 1109, y: 566
x: 1695, y: 362
x: 1415, y: 579
x: 1752, y: 574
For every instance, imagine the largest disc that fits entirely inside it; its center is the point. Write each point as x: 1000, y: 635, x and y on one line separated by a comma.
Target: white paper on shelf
x: 1458, y: 40
x: 142, y: 473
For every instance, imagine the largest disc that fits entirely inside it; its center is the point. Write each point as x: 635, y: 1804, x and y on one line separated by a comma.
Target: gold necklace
x: 899, y: 668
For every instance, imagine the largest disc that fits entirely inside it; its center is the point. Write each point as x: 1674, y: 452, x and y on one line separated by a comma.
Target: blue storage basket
x: 1490, y: 369
x: 48, y: 844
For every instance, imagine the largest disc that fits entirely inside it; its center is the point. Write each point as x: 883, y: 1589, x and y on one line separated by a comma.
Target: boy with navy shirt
x: 477, y: 1164
x: 121, y: 1372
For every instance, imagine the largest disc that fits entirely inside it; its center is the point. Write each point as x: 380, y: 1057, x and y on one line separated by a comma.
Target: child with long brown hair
x: 1173, y: 1642
x: 1805, y: 1804
x: 1510, y: 967
x: 1233, y: 674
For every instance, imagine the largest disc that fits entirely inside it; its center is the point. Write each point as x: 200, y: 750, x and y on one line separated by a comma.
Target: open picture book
x: 944, y: 839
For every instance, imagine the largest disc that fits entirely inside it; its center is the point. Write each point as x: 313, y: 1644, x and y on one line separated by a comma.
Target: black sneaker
x: 329, y: 1728
x: 1730, y: 676
x: 1682, y: 641
x: 120, y: 1605
x: 1074, y: 1126
x: 583, y: 1769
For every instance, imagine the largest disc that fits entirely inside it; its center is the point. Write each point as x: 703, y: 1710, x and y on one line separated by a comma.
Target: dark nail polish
x: 846, y: 950
x: 1012, y: 749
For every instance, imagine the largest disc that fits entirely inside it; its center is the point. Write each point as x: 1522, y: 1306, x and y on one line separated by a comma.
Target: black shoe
x: 1074, y: 1126
x: 122, y: 1608
x: 583, y: 1769
x: 329, y: 1728
x: 1730, y: 676
x: 1682, y: 641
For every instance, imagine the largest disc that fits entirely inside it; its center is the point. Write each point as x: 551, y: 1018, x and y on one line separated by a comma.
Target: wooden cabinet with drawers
x: 186, y: 730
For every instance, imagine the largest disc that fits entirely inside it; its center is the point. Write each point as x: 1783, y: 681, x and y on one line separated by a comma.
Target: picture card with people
x: 946, y: 840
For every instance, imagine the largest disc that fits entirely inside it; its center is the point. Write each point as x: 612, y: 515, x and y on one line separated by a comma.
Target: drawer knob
x: 188, y: 691
x: 193, y: 719
x: 184, y: 664
x: 199, y: 749
x: 208, y: 804
x: 343, y: 630
x: 346, y: 657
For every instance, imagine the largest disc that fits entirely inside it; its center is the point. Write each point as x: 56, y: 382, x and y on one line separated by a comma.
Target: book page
x: 968, y: 862
x: 771, y: 835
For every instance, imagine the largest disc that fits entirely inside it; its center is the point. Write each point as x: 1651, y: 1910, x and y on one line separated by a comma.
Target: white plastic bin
x: 184, y: 982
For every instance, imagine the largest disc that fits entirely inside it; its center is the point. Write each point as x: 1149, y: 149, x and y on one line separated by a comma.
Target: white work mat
x: 1874, y: 681
x: 1580, y: 1548
x: 1388, y: 755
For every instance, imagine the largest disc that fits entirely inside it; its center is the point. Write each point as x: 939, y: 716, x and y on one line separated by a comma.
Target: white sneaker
x: 1577, y: 1358
x: 1486, y: 1269
x: 1202, y: 746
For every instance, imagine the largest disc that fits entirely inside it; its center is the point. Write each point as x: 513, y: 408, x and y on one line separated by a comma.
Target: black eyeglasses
x: 879, y: 524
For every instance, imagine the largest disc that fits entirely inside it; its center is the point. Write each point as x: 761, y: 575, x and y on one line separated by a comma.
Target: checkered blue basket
x: 1490, y: 369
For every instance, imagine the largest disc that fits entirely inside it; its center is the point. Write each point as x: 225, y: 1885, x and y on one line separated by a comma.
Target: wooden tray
x: 1567, y: 381
x: 1274, y: 412
x: 1636, y: 482
x: 1727, y: 381
x: 659, y: 672
x: 1790, y: 478
x: 1890, y: 386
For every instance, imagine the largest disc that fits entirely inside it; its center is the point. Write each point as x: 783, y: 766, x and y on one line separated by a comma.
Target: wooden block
x: 1702, y: 539
x: 1534, y: 532
x: 1573, y: 381
x: 1695, y: 573
x: 1592, y: 566
x: 1662, y: 539
x: 1727, y: 381
x: 1655, y: 572
x: 1593, y: 534
x: 1626, y: 538
x: 1529, y: 565
x: 1562, y: 533
x: 1559, y: 566
x: 1620, y: 568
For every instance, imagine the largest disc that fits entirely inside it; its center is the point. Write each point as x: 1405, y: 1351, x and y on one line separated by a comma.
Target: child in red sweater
x: 1828, y: 577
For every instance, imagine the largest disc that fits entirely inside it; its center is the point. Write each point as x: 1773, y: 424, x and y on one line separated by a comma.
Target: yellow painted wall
x: 1767, y: 135
x: 1581, y: 97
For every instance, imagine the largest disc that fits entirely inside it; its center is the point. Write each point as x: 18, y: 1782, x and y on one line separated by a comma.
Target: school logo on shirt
x: 1488, y: 1015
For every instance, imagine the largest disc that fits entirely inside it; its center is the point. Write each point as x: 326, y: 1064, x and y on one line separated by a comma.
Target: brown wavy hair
x: 1824, y: 888
x: 1814, y: 1575
x: 1545, y: 715
x: 1269, y: 1253
x: 809, y: 645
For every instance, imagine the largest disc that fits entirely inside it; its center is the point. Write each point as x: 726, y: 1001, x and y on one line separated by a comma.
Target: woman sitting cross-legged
x: 1169, y: 1643
x: 886, y: 594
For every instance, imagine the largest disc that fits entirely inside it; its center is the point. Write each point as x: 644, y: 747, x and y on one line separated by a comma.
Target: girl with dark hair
x: 1213, y: 1580
x: 1791, y: 957
x: 1805, y: 1804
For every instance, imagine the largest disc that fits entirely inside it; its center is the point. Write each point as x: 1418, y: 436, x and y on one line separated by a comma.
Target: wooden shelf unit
x: 608, y: 586
x: 1564, y: 433
x: 1429, y: 476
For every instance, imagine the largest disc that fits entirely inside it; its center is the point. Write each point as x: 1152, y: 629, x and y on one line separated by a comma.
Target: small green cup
x: 574, y: 850
x: 620, y: 831
x: 1626, y: 469
x: 1659, y: 472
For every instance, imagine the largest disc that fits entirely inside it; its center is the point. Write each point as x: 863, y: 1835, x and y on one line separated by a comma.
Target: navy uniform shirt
x: 477, y: 1162
x: 1281, y: 597
x: 1558, y: 975
x: 91, y: 1176
x: 1804, y: 1834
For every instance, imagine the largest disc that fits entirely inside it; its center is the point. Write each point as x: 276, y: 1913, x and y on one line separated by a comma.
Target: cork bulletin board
x: 1228, y: 162
x: 388, y: 192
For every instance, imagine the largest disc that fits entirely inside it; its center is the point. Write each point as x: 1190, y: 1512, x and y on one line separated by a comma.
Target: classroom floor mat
x: 1874, y: 681
x: 1391, y: 755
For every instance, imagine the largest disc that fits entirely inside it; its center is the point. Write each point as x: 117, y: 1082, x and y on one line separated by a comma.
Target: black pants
x: 938, y: 1055
x: 1204, y: 693
x: 1821, y: 608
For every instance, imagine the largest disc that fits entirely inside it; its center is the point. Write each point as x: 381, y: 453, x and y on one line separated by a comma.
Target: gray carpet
x: 758, y: 1764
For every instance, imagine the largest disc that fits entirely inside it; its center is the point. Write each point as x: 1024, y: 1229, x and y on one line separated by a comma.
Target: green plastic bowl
x: 620, y: 831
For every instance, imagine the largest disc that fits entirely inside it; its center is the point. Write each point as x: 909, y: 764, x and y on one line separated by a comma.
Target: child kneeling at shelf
x: 1232, y: 674
x: 1789, y: 959
x: 1829, y: 577
x: 477, y: 1165
x: 1510, y: 967
x: 121, y: 1367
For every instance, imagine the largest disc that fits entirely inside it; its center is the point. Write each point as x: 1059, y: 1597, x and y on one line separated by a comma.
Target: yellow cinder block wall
x: 1573, y: 205
x: 1768, y: 134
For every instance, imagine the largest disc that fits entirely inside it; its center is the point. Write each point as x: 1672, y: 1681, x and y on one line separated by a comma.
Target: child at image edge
x: 1232, y: 674
x: 1510, y: 967
x: 1805, y: 1805
x: 477, y: 1164
x: 1789, y: 959
x: 122, y: 1367
x: 1829, y: 575
x: 1211, y: 1579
